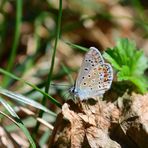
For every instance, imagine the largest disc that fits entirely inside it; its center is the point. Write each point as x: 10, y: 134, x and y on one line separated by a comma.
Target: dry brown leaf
x: 89, y: 125
x: 135, y: 119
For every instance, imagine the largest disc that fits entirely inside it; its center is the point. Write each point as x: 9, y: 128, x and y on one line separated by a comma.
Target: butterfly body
x: 94, y: 78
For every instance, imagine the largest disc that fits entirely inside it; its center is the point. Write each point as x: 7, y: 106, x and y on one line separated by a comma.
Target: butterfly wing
x: 108, y: 76
x: 97, y: 81
x: 91, y: 60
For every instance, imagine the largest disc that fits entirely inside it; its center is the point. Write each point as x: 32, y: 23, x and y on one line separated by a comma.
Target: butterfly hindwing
x: 98, y: 80
x: 108, y: 75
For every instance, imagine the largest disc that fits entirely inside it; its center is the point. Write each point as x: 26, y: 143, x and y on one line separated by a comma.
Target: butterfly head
x: 78, y: 93
x: 73, y: 91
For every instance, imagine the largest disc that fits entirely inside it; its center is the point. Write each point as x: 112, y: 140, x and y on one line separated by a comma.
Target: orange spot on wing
x: 105, y: 75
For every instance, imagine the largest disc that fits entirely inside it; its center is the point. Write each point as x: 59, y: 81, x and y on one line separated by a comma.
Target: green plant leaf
x: 44, y: 138
x: 140, y: 83
x: 109, y: 57
x: 25, y: 100
x: 31, y: 85
x: 76, y: 46
x: 124, y: 73
x: 17, y: 121
x: 141, y: 64
x: 129, y: 62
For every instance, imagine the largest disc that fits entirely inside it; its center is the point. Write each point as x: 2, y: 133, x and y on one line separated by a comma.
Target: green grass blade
x: 47, y: 87
x: 31, y: 85
x: 17, y: 121
x: 77, y: 46
x: 29, y: 122
x: 19, y: 4
x: 25, y: 100
x: 44, y: 138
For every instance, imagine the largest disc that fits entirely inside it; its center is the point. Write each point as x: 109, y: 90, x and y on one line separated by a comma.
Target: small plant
x: 129, y: 62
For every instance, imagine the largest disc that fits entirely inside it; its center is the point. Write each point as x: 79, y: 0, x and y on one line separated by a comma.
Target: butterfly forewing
x: 91, y: 60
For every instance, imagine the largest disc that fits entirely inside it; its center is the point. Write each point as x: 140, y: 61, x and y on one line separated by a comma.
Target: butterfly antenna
x: 75, y: 84
x: 60, y: 85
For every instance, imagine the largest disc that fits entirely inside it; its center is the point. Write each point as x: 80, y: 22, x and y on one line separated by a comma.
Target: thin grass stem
x: 47, y: 87
x: 12, y: 57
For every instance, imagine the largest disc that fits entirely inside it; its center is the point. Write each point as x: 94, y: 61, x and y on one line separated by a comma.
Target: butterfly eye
x: 72, y: 90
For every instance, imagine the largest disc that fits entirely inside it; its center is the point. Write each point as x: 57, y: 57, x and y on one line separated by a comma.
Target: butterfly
x: 94, y: 78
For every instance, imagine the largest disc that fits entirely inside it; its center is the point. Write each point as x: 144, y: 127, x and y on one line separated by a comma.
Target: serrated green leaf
x: 124, y: 73
x: 121, y: 50
x: 111, y: 60
x: 129, y: 62
x: 140, y: 83
x: 141, y: 65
